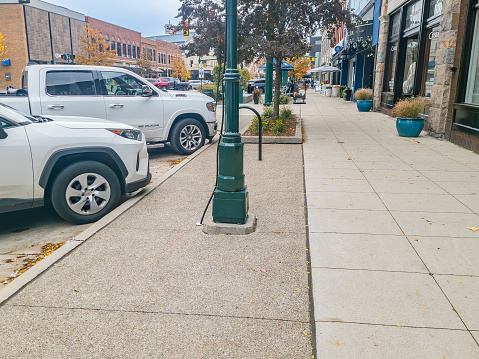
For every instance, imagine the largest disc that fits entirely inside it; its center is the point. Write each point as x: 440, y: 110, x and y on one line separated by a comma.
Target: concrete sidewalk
x: 395, y: 270
x: 395, y: 267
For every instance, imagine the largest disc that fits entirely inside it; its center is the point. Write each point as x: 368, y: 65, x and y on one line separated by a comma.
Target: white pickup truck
x: 184, y: 119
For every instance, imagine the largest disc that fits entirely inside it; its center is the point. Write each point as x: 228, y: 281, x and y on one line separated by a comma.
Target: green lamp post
x: 230, y: 199
x: 268, y: 86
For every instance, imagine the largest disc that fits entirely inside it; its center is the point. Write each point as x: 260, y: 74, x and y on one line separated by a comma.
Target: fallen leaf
x: 262, y: 270
x: 474, y: 229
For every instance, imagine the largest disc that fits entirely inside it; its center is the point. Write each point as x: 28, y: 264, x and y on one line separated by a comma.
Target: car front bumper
x: 212, y: 129
x: 134, y: 186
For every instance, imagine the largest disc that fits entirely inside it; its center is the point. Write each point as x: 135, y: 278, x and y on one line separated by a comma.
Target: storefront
x: 466, y: 106
x: 411, y: 52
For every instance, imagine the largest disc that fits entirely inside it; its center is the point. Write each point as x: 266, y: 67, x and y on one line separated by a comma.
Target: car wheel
x: 164, y: 88
x: 187, y: 136
x: 261, y: 89
x: 85, y: 191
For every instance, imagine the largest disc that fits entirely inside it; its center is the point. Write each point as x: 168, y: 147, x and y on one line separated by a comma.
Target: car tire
x: 82, y: 184
x: 164, y: 88
x: 261, y: 89
x: 187, y: 136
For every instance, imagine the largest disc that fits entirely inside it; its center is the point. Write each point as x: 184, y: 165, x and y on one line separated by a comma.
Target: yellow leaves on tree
x: 179, y: 69
x: 3, y: 48
x: 145, y: 60
x: 95, y: 51
x: 301, y: 66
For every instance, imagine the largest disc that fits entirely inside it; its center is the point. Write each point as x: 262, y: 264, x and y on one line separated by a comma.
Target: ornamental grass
x: 363, y: 94
x: 409, y: 108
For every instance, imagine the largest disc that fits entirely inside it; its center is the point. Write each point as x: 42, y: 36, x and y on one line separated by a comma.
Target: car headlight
x: 211, y: 106
x: 130, y: 134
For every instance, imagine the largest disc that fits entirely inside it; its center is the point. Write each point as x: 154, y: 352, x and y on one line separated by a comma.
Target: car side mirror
x: 146, y: 91
x: 3, y: 134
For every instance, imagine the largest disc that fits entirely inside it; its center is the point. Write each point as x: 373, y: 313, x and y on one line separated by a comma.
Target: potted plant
x: 256, y: 96
x: 347, y: 92
x: 408, y: 120
x: 363, y: 99
x: 335, y: 92
x: 328, y: 91
x: 341, y: 90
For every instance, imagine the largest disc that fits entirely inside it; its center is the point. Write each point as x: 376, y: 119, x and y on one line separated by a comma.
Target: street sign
x: 58, y: 56
x: 201, y: 71
x: 167, y: 28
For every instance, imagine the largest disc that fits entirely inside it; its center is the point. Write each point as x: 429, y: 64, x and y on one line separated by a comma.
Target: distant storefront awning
x: 284, y: 66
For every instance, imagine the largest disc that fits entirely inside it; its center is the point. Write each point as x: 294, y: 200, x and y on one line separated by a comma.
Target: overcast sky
x: 146, y: 16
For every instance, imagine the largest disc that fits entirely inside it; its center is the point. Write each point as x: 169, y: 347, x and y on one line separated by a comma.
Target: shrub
x: 363, y: 94
x: 254, y: 128
x: 210, y: 87
x: 409, y: 108
x: 341, y: 89
x: 277, y: 125
x: 329, y: 87
x: 284, y: 100
x: 285, y: 113
x: 268, y: 112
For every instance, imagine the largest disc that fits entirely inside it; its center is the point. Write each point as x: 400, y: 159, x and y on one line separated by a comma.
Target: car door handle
x: 55, y: 107
x: 116, y: 105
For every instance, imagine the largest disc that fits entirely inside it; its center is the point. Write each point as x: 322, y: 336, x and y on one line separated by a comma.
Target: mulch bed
x: 290, y: 130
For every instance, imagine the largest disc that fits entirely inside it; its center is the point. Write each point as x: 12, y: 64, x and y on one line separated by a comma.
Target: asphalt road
x: 24, y: 233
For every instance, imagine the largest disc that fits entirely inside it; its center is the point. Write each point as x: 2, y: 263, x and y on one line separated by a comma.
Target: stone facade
x: 61, y: 44
x: 12, y: 27
x: 38, y: 33
x: 76, y: 30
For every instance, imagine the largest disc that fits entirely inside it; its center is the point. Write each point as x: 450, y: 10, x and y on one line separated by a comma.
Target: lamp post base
x: 230, y: 207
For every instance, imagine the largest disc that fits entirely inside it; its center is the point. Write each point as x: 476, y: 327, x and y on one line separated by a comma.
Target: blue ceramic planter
x: 409, y: 127
x: 364, y: 105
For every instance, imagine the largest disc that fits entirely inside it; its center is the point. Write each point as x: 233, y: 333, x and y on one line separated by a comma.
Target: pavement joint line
x: 309, y: 264
x: 393, y: 325
x: 371, y: 270
x: 24, y: 279
x: 157, y: 312
x: 394, y: 210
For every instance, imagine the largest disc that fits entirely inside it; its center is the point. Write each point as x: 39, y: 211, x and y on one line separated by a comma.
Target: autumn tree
x: 278, y: 29
x: 3, y: 48
x: 301, y: 66
x: 179, y: 68
x: 145, y: 61
x: 95, y: 50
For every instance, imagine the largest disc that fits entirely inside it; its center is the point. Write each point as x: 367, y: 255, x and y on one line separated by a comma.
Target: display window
x: 472, y: 86
x: 429, y: 68
x: 410, y: 65
x: 391, y: 69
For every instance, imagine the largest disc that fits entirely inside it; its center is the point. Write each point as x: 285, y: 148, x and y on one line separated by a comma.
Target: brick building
x: 161, y: 54
x: 36, y: 32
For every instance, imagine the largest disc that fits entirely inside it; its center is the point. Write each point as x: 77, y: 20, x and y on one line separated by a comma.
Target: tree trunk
x: 277, y: 87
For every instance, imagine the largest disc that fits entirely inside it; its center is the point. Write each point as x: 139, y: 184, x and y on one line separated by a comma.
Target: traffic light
x: 186, y: 30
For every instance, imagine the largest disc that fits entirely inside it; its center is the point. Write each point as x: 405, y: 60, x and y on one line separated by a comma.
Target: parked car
x: 81, y: 165
x: 197, y: 83
x: 162, y: 85
x: 256, y: 84
x: 177, y: 84
x: 184, y: 119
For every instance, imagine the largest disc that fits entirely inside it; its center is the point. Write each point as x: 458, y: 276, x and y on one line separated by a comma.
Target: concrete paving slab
x: 358, y: 341
x: 463, y: 292
x: 383, y: 298
x: 470, y: 200
x: 339, y: 185
x: 352, y: 221
x: 364, y: 251
x: 455, y: 187
x: 74, y: 333
x: 409, y: 186
x: 333, y: 164
x: 475, y: 335
x: 382, y: 165
x: 393, y: 175
x: 344, y: 200
x: 437, y: 224
x: 420, y: 202
x: 469, y: 176
x: 332, y: 173
x: 439, y: 166
x: 444, y: 255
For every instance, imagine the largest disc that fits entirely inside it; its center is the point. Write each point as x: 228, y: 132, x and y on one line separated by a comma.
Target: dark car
x: 163, y: 85
x: 256, y: 84
x: 176, y: 84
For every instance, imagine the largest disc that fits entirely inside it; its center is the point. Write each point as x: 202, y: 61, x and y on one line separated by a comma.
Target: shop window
x: 113, y: 46
x: 472, y: 87
x: 429, y: 69
x: 391, y: 69
x: 435, y: 8
x: 413, y: 15
x: 410, y: 65
x: 394, y: 25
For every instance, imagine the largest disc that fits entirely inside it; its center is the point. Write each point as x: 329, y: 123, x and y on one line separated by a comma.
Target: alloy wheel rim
x: 88, y: 193
x: 190, y: 137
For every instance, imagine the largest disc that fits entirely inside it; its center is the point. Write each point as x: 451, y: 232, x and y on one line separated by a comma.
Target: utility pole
x: 230, y: 200
x: 268, y: 86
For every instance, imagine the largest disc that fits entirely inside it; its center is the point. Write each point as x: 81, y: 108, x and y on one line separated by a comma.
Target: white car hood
x: 188, y: 94
x: 77, y: 122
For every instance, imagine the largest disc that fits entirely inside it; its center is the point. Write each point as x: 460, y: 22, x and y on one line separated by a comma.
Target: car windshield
x: 11, y: 109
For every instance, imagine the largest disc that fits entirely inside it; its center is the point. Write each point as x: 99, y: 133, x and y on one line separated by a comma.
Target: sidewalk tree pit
x: 284, y: 125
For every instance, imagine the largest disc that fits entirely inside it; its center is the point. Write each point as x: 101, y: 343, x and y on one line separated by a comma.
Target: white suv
x: 81, y: 165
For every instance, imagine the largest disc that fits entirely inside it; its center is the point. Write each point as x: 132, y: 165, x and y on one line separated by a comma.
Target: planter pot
x: 347, y: 95
x: 364, y: 105
x: 256, y: 98
x: 328, y: 92
x: 335, y: 92
x: 409, y: 127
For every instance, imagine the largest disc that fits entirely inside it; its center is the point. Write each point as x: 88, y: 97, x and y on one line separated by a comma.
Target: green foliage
x: 341, y: 89
x: 245, y: 77
x: 409, y: 108
x: 217, y: 74
x: 284, y: 100
x: 268, y: 112
x: 277, y: 125
x: 285, y: 112
x: 210, y: 87
x: 270, y: 123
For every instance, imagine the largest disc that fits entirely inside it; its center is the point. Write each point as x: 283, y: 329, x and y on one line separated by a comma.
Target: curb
x: 21, y: 281
x: 297, y: 138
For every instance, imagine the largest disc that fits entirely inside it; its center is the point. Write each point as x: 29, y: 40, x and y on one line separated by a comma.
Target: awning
x: 284, y: 66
